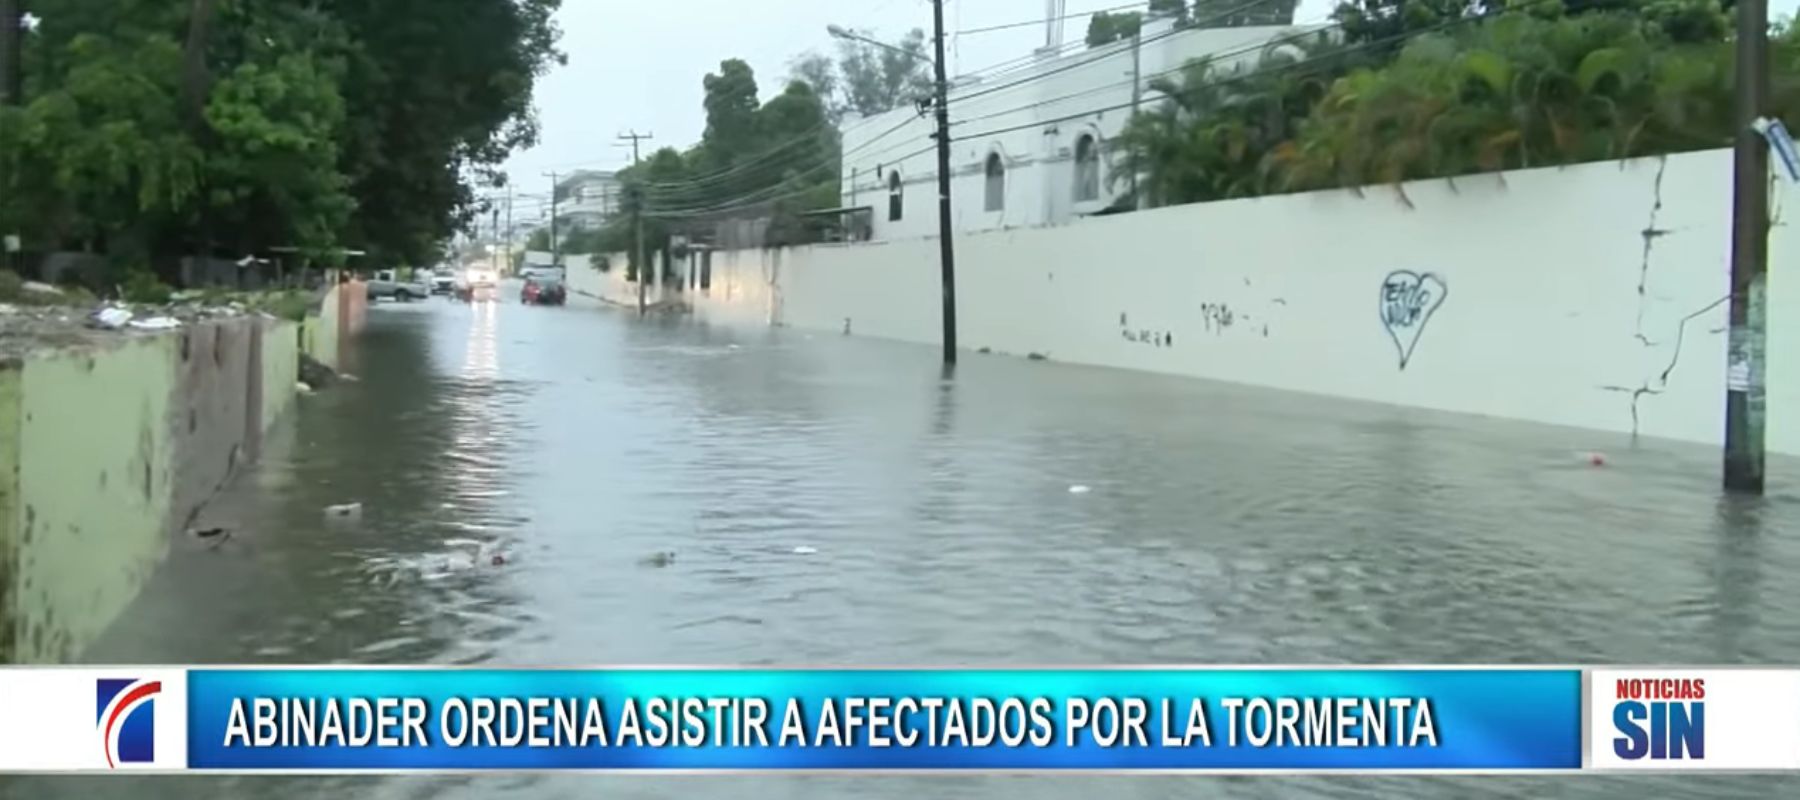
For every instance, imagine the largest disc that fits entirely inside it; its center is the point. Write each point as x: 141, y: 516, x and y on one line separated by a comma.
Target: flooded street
x: 836, y: 500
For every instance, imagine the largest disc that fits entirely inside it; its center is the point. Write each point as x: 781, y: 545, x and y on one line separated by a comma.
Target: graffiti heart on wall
x: 1408, y: 299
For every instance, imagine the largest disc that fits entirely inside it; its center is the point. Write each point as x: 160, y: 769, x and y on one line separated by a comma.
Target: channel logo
x: 126, y: 719
x: 1659, y: 718
x: 1683, y: 720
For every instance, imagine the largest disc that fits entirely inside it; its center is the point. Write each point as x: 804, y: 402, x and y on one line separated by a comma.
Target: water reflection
x: 1224, y: 525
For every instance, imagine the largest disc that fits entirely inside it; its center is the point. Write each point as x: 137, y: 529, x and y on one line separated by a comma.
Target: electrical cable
x: 1231, y: 79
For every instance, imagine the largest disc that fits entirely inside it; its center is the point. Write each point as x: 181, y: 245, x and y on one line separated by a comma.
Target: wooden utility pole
x: 946, y: 249
x: 555, y: 252
x: 637, y: 222
x: 1744, y: 395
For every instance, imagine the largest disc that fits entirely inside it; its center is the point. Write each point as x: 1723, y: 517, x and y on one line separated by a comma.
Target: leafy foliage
x: 1518, y: 90
x: 1104, y: 28
x: 156, y: 129
x: 866, y: 79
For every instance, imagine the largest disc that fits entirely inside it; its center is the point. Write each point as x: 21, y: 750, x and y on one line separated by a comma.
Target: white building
x: 586, y: 199
x: 1030, y: 147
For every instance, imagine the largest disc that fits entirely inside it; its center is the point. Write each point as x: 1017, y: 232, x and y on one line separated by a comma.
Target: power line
x: 1228, y: 80
x: 1311, y: 33
x: 753, y: 198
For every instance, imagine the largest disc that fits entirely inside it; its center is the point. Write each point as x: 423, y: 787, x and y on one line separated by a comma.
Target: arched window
x: 896, y: 204
x: 1087, y: 169
x: 996, y: 183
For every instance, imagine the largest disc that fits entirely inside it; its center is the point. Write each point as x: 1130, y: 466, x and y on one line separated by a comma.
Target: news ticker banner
x: 1198, y: 720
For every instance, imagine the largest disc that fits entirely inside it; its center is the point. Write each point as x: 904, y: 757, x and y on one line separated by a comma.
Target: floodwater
x: 1224, y: 524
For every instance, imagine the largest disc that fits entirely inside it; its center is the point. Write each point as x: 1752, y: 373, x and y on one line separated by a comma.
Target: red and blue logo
x: 126, y: 717
x: 1662, y: 719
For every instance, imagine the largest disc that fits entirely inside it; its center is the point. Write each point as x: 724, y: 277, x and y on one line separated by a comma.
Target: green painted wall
x: 94, y: 462
x: 11, y: 394
x: 280, y: 368
x: 104, y: 450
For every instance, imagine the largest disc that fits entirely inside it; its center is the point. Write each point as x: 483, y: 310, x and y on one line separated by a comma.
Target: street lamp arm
x: 839, y: 32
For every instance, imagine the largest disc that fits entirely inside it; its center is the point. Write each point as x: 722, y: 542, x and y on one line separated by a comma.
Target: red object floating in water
x: 1597, y: 460
x: 499, y: 560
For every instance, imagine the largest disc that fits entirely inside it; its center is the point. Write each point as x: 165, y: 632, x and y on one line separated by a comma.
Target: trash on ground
x: 803, y: 550
x: 344, y: 510
x: 155, y: 323
x: 111, y: 318
x: 1079, y: 489
x: 315, y: 373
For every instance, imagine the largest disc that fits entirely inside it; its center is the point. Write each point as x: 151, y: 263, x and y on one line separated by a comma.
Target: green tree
x: 153, y: 129
x: 1235, y: 14
x: 1519, y: 90
x: 876, y: 80
x: 1104, y: 28
x: 819, y: 72
x: 731, y: 104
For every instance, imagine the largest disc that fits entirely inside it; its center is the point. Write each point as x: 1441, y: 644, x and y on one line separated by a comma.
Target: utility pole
x: 1137, y: 77
x: 637, y: 222
x: 1744, y: 400
x: 555, y: 251
x: 509, y: 227
x: 947, y: 251
x: 495, y: 246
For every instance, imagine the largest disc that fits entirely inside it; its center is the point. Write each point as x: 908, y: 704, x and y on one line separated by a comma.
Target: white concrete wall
x: 1551, y: 308
x: 1052, y: 104
x: 609, y: 286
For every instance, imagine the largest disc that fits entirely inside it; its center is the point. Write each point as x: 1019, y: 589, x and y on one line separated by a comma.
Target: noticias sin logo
x: 126, y: 717
x: 1661, y: 719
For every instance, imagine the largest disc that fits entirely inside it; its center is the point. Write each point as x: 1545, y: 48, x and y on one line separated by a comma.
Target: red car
x: 542, y: 290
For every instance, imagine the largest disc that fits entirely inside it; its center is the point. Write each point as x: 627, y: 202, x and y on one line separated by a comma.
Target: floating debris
x: 344, y: 511
x: 211, y: 537
x: 1038, y: 357
x: 1597, y: 459
x: 303, y: 387
x: 803, y: 550
x: 155, y: 324
x: 1079, y: 489
x: 662, y: 559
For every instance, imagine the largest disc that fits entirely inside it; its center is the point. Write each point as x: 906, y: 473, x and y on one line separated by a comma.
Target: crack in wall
x: 1651, y: 233
x: 1662, y: 380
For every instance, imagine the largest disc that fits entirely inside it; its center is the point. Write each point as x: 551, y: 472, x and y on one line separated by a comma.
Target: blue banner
x: 731, y: 719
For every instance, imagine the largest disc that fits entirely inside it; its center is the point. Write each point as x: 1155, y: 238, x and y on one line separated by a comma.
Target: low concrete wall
x: 1592, y: 296
x: 106, y: 451
x: 320, y: 334
x: 611, y: 286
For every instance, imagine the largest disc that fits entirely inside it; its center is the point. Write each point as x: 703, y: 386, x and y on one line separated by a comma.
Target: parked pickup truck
x: 387, y: 283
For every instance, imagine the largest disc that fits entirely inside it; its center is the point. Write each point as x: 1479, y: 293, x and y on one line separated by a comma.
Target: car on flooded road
x: 544, y: 290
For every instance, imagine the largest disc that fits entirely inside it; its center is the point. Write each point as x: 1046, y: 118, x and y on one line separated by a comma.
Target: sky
x: 638, y: 64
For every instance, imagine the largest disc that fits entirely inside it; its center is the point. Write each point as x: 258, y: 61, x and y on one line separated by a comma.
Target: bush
x: 142, y: 286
